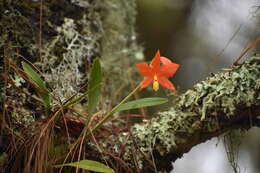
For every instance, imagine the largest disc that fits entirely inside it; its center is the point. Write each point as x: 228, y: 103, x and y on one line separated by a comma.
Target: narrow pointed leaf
x: 36, y: 79
x: 39, y: 84
x: 95, y: 80
x: 145, y: 102
x: 89, y: 165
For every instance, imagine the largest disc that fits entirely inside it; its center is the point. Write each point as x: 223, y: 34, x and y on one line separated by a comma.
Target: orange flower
x: 156, y: 73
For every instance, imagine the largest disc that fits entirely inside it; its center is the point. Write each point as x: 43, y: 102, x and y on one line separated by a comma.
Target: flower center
x: 155, y: 83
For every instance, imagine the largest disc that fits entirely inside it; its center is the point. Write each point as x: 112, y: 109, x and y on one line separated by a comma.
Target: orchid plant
x: 158, y: 72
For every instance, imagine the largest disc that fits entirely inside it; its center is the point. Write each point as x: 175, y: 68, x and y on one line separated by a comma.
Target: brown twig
x: 247, y: 48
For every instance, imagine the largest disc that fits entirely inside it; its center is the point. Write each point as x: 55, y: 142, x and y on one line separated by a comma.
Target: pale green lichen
x: 71, y: 38
x: 70, y: 42
x: 63, y: 71
x: 101, y: 36
x: 194, y: 112
x: 225, y: 91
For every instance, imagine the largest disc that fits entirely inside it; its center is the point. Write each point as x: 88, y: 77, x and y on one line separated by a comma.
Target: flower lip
x: 155, y: 83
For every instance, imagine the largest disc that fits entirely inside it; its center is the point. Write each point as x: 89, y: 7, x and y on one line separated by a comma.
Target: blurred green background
x: 203, y: 36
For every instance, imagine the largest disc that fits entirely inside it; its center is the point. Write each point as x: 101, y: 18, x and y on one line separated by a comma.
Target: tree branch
x: 223, y: 102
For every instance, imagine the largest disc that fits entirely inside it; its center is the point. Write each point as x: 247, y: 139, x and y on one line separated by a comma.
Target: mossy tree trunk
x: 61, y: 38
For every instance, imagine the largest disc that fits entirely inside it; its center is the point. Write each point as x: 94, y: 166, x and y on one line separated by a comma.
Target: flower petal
x: 144, y: 69
x: 165, y: 60
x: 147, y: 81
x: 155, y: 64
x: 166, y: 83
x: 168, y: 70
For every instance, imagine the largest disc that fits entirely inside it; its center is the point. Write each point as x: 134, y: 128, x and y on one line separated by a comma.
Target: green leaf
x: 95, y: 79
x: 89, y: 165
x: 46, y: 100
x: 145, y: 102
x: 36, y: 79
x: 39, y: 84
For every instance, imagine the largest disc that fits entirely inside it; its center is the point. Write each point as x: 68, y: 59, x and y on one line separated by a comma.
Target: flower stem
x: 109, y: 114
